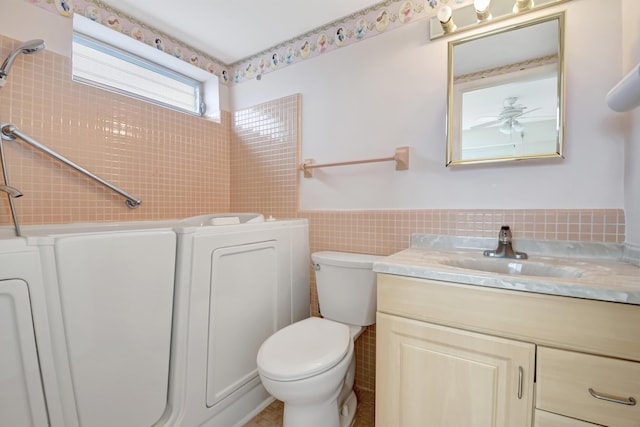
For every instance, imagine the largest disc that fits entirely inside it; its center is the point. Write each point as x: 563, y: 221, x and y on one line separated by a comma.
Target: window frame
x: 112, y: 43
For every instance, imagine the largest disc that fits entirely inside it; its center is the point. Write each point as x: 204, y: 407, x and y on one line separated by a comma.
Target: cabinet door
x: 434, y: 376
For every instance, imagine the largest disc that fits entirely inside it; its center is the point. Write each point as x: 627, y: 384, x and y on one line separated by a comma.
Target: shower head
x: 32, y: 46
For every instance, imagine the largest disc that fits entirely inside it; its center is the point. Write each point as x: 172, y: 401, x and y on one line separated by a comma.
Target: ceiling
x: 231, y: 30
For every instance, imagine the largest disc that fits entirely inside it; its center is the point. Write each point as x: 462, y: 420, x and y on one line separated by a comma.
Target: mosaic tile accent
x: 264, y: 157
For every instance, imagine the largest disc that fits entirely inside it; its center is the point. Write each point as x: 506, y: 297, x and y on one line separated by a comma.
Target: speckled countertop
x: 588, y: 270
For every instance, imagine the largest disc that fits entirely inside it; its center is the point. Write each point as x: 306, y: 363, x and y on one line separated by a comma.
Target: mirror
x: 505, y: 94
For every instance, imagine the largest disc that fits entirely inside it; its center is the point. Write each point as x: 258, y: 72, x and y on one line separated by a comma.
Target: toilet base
x: 325, y: 414
x: 348, y: 410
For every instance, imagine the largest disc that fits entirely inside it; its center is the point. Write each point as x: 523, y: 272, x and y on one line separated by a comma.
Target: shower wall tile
x: 176, y: 163
x: 264, y: 157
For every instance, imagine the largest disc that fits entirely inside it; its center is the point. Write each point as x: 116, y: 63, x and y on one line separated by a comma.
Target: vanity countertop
x: 600, y: 273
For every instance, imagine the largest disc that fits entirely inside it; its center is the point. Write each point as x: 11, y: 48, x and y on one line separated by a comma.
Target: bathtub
x: 108, y: 299
x: 133, y: 324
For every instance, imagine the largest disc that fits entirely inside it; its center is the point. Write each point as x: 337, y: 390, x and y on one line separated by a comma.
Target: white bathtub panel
x: 116, y: 292
x: 21, y: 396
x: 243, y: 313
x: 191, y: 390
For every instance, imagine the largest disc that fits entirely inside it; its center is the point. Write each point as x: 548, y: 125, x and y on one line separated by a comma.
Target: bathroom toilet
x: 310, y: 365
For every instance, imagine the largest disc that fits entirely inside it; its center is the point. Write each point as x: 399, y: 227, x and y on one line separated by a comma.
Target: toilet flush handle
x: 316, y: 267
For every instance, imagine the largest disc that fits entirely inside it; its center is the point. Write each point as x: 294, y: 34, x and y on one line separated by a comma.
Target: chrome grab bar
x: 10, y: 132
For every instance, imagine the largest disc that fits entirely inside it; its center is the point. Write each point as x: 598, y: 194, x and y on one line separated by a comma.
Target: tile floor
x: 271, y: 416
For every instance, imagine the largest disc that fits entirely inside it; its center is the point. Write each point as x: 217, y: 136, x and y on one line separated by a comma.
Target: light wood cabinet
x: 450, y: 354
x: 592, y: 388
x: 549, y: 419
x: 433, y: 375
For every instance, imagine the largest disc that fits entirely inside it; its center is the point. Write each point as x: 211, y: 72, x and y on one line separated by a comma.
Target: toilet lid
x: 303, y: 349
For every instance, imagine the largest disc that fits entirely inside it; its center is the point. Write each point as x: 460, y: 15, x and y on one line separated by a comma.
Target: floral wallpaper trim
x: 370, y: 22
x: 138, y: 30
x: 364, y: 24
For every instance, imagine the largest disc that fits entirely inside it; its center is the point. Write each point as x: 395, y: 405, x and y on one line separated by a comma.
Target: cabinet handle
x: 520, y: 378
x: 609, y: 398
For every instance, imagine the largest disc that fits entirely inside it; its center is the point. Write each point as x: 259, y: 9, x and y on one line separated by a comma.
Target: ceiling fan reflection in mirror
x: 507, y: 119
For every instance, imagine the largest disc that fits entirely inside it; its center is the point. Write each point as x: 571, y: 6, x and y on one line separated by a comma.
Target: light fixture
x: 522, y: 5
x: 483, y: 9
x: 505, y: 128
x: 510, y: 126
x: 517, y: 126
x: 445, y: 16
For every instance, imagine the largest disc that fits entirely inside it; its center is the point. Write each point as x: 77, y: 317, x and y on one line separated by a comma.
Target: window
x: 112, y: 61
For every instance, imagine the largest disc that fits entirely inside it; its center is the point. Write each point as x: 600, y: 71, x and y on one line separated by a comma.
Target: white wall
x: 364, y: 100
x: 23, y: 21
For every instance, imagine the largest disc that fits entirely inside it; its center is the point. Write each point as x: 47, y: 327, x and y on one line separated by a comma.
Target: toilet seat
x: 304, y: 349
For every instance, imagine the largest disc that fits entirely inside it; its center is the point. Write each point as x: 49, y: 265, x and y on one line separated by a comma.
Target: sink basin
x: 511, y: 266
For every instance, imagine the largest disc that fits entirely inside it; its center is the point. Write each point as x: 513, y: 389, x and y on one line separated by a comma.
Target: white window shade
x: 112, y: 61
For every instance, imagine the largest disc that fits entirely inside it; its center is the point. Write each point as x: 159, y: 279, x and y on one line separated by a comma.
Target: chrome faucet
x: 504, y: 249
x: 11, y: 191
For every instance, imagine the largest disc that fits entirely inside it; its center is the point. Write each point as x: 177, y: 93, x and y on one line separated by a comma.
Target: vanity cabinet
x: 455, y: 354
x: 439, y: 376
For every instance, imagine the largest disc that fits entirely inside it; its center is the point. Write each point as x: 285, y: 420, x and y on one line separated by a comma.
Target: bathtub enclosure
x: 150, y: 323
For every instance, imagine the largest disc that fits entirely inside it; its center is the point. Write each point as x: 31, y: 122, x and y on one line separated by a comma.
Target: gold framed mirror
x: 506, y: 94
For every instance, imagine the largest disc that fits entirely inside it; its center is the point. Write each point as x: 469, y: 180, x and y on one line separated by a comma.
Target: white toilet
x: 309, y: 365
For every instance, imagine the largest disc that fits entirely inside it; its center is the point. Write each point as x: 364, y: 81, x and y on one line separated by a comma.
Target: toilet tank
x: 346, y: 286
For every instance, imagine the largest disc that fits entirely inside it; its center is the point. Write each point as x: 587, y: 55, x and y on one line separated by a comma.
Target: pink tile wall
x: 262, y: 144
x: 264, y: 156
x: 176, y: 163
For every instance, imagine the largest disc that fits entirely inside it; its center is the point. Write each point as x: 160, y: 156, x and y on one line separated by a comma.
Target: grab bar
x: 401, y: 157
x: 10, y: 132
